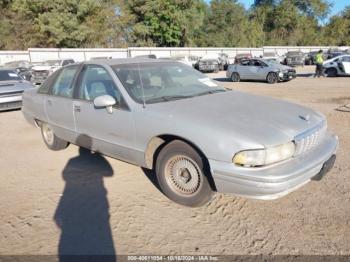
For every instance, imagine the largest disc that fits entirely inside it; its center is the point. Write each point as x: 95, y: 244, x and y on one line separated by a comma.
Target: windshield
x: 9, y: 75
x: 271, y: 61
x: 53, y: 62
x: 164, y: 81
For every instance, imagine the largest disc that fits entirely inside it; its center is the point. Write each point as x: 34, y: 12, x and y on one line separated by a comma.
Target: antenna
x: 143, y: 92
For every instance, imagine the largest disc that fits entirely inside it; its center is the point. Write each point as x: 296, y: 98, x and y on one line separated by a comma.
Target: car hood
x: 14, y: 86
x: 259, y: 119
x: 43, y: 67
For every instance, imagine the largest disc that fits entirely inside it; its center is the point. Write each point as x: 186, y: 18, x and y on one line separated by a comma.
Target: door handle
x: 49, y: 102
x: 76, y: 108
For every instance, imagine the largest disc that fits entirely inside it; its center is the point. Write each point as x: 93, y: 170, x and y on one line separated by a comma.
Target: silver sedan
x: 260, y: 69
x: 11, y: 88
x: 196, y: 136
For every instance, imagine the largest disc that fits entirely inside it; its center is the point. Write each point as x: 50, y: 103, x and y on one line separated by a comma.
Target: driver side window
x: 96, y: 81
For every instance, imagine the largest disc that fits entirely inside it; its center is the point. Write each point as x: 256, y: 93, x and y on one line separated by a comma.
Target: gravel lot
x: 64, y: 201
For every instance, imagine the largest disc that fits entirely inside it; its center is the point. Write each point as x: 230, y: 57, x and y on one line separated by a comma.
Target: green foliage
x: 121, y: 23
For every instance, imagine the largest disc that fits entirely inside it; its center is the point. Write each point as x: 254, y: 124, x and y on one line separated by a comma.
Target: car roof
x: 125, y: 61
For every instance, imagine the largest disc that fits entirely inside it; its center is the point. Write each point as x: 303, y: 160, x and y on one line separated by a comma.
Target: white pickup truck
x: 42, y: 71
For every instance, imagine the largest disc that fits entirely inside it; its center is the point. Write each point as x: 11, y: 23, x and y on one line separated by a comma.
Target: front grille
x: 41, y: 73
x: 309, y: 139
x: 10, y: 105
x: 13, y: 93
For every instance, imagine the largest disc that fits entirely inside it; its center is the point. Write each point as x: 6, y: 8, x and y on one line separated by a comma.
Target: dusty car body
x: 197, y: 136
x: 11, y: 88
x: 338, y: 66
x: 294, y: 58
x: 42, y: 71
x: 260, y: 69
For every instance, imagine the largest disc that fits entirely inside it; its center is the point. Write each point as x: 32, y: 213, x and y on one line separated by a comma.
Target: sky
x: 338, y: 5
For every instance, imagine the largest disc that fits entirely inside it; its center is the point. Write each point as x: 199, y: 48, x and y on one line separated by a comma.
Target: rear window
x: 9, y: 75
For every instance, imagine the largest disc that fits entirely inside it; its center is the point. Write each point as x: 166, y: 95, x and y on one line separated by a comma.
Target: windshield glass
x: 9, y: 75
x: 271, y: 61
x: 164, y: 81
x: 52, y: 62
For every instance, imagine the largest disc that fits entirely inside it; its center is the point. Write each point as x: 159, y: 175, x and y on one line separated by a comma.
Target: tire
x: 235, y: 77
x: 182, y: 174
x: 332, y: 72
x: 51, y: 140
x: 272, y: 78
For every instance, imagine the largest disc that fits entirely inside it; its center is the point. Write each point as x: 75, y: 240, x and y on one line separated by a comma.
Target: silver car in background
x: 196, y: 136
x: 11, y: 88
x: 260, y: 69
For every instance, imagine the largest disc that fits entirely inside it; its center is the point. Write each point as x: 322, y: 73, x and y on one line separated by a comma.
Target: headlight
x: 262, y: 157
x: 280, y: 74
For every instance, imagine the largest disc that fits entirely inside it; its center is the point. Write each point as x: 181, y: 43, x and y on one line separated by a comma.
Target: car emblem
x: 305, y: 117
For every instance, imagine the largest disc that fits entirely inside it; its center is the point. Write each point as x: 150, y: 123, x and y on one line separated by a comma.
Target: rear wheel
x: 51, y: 140
x: 235, y: 77
x: 182, y: 175
x: 272, y: 78
x: 331, y: 72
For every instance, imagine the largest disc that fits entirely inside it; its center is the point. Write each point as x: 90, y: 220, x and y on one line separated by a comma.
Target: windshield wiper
x: 211, y: 92
x: 166, y: 98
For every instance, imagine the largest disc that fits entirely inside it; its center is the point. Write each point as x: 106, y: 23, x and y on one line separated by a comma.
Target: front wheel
x: 272, y: 78
x: 182, y: 175
x: 51, y: 140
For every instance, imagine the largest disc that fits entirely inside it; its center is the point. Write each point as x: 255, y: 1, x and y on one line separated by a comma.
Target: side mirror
x: 106, y: 101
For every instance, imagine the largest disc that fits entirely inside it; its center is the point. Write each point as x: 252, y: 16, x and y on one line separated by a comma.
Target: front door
x: 345, y: 63
x: 257, y: 70
x: 59, y: 104
x: 109, y: 133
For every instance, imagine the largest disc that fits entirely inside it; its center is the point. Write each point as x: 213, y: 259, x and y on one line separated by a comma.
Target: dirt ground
x: 65, y: 202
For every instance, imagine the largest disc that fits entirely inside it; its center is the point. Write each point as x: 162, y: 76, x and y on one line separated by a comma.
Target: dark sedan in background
x: 294, y: 58
x: 11, y: 88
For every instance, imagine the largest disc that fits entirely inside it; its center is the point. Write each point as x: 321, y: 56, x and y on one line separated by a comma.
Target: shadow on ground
x: 83, y: 210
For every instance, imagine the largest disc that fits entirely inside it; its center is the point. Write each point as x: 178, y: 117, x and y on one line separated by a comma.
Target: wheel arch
x: 156, y: 144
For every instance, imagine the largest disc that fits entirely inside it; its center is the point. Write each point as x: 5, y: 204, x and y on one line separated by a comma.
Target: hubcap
x: 183, y: 175
x: 272, y: 78
x: 48, y: 134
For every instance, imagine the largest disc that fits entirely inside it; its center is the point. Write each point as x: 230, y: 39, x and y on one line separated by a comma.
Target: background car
x: 42, y: 71
x: 294, y: 58
x: 12, y: 86
x: 338, y: 66
x: 207, y: 64
x: 242, y: 56
x: 260, y: 69
x: 272, y: 56
x: 22, y: 67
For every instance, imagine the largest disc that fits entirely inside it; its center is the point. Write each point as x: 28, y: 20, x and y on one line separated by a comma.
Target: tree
x: 165, y: 22
x: 337, y: 32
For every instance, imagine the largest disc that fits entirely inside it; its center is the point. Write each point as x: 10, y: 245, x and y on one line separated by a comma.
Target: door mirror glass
x: 105, y: 101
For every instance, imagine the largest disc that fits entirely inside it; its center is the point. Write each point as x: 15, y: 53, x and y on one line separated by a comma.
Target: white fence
x: 42, y: 54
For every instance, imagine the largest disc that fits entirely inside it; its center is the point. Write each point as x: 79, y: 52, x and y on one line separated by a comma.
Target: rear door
x: 109, y: 133
x: 243, y: 69
x: 59, y: 103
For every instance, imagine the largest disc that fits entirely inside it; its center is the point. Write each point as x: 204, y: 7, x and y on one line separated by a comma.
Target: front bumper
x: 277, y: 180
x: 10, y: 102
x: 287, y: 76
